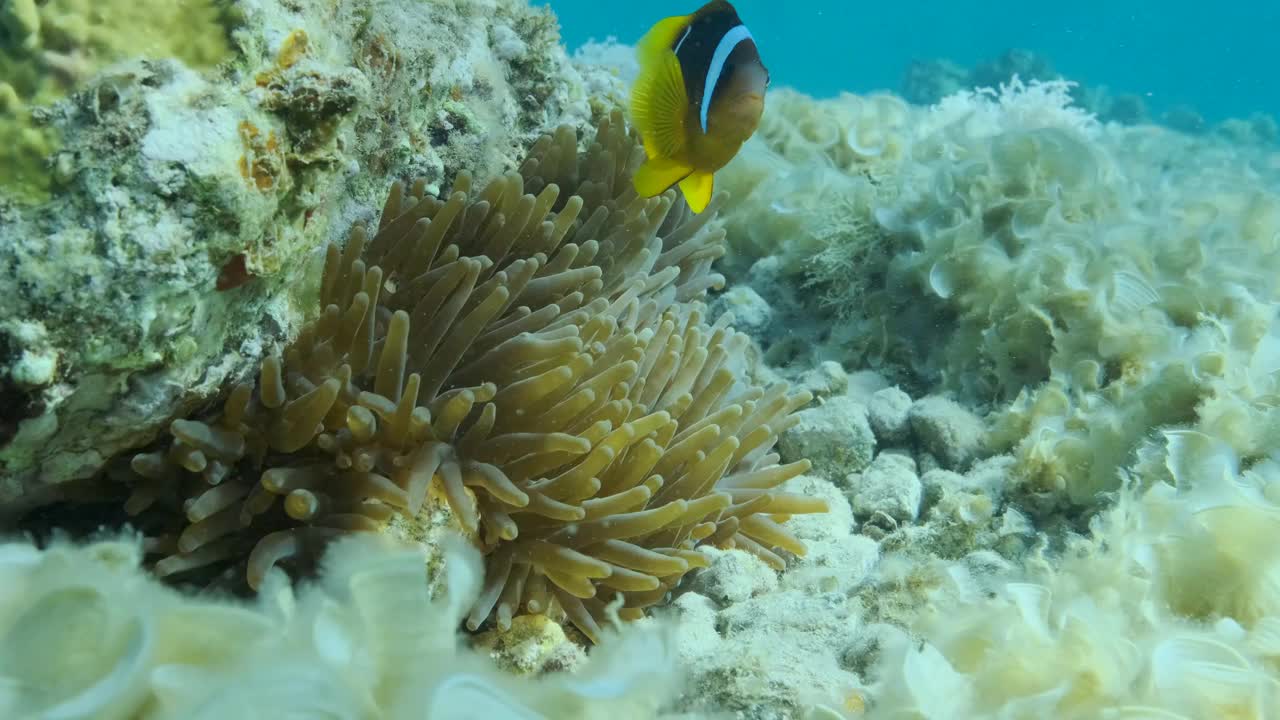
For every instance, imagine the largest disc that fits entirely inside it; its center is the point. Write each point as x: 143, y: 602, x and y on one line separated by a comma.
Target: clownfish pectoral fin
x: 659, y: 103
x: 657, y: 174
x: 697, y: 189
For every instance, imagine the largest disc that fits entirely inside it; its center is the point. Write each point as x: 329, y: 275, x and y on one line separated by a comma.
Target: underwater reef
x: 346, y: 374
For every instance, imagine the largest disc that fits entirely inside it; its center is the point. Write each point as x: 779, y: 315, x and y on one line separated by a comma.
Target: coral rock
x: 834, y: 436
x: 949, y: 431
x: 889, y: 486
x: 750, y: 311
x: 887, y: 411
x: 734, y: 576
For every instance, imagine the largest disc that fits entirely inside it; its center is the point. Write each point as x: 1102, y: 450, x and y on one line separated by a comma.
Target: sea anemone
x: 542, y: 358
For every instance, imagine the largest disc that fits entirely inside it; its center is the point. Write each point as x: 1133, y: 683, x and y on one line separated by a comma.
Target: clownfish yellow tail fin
x: 697, y: 189
x: 657, y: 174
x: 659, y: 103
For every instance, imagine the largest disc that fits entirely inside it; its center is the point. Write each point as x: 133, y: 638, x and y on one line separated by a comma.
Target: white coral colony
x: 88, y: 636
x: 74, y: 645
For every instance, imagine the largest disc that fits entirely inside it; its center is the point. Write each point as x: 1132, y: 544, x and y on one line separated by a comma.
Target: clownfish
x: 698, y: 97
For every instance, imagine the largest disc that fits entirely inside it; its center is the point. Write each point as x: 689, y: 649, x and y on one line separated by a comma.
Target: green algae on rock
x: 50, y: 49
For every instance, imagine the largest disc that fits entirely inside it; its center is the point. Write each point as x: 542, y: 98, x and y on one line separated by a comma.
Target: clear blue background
x: 1222, y: 58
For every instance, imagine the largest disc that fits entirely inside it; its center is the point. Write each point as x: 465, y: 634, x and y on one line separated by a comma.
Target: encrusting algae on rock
x: 539, y: 354
x: 48, y: 49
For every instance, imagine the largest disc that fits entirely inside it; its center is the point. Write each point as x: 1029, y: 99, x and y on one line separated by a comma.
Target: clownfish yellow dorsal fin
x: 659, y: 102
x: 657, y: 174
x: 697, y: 189
x: 663, y: 35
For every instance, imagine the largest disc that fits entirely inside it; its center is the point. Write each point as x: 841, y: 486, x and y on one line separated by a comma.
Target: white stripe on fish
x: 736, y: 34
x: 682, y: 38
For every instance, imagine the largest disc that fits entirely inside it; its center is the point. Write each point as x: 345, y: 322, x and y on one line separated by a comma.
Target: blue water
x: 1219, y: 58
